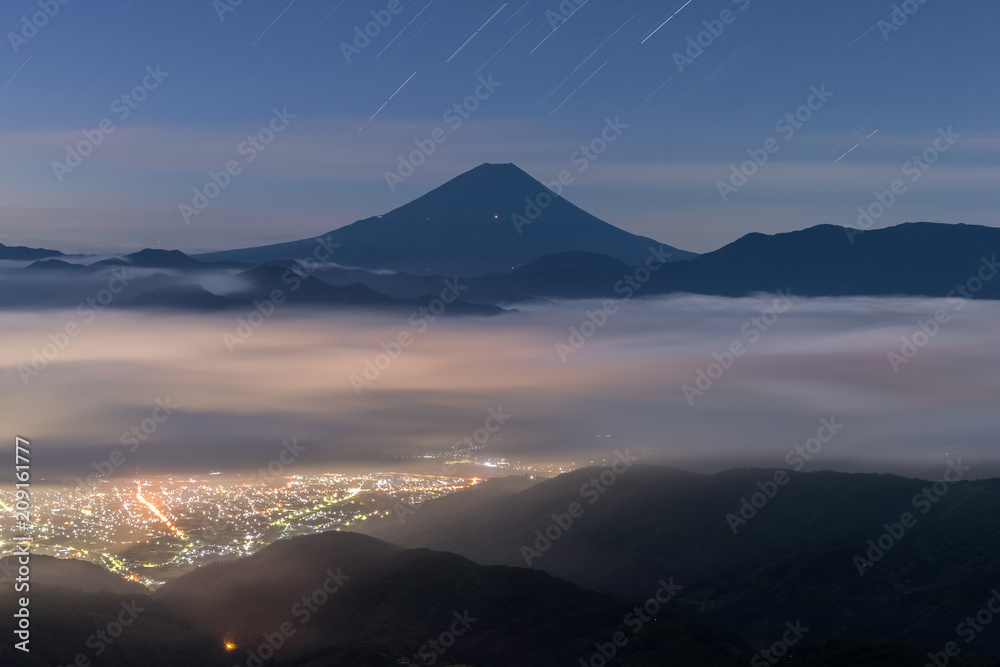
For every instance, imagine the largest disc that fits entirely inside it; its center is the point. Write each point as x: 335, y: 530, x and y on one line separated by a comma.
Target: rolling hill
x: 795, y: 557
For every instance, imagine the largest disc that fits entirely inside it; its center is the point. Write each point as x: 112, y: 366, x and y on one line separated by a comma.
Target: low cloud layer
x: 623, y: 387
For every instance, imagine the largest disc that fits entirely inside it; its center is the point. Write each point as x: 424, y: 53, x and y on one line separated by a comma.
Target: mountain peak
x: 156, y: 252
x: 488, y: 187
x: 497, y: 166
x: 491, y: 218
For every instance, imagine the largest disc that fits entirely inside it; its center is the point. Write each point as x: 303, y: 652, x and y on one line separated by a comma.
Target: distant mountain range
x: 474, y: 231
x: 169, y: 279
x: 912, y: 259
x: 23, y: 253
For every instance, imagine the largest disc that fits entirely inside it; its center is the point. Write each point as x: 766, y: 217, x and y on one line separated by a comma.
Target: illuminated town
x: 151, y: 529
x: 158, y: 528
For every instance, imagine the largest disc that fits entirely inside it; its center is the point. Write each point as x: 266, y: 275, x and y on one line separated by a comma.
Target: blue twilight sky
x: 228, y: 67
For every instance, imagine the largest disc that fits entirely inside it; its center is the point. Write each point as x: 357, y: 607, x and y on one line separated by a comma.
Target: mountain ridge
x: 656, y: 519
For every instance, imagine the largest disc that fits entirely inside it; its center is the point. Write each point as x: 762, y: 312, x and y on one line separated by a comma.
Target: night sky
x: 563, y: 70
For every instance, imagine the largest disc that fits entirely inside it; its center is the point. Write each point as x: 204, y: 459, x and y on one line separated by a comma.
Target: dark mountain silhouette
x: 171, y: 280
x: 383, y: 603
x: 262, y: 280
x: 183, y: 297
x: 70, y: 627
x: 78, y: 575
x: 912, y: 259
x: 399, y: 285
x: 305, y: 289
x: 57, y: 265
x: 465, y: 227
x: 585, y: 262
x: 794, y: 559
x: 72, y: 601
x: 572, y: 275
x: 384, y: 607
x: 25, y: 253
x: 158, y: 259
x: 155, y: 258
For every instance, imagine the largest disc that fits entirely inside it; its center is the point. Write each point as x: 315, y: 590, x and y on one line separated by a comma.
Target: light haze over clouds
x: 291, y: 379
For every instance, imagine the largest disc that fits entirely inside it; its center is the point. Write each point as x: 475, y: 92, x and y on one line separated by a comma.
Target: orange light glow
x: 160, y: 515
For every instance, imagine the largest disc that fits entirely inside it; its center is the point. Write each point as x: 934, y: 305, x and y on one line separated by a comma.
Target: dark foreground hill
x: 81, y: 614
x: 347, y: 599
x: 804, y: 554
x: 351, y: 600
x: 77, y: 575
